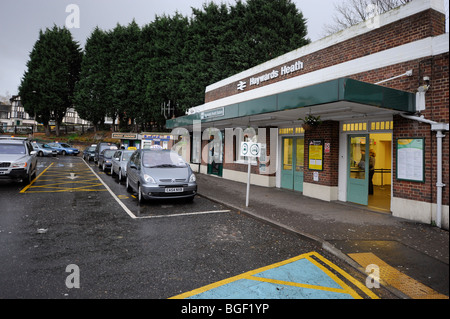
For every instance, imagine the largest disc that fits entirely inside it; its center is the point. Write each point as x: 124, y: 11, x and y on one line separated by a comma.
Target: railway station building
x: 360, y: 116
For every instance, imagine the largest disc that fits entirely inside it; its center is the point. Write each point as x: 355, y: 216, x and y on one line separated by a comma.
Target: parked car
x: 44, y: 149
x: 64, y: 149
x: 88, y: 153
x: 119, y: 163
x: 156, y: 173
x: 18, y: 160
x: 104, y: 160
x: 100, y: 148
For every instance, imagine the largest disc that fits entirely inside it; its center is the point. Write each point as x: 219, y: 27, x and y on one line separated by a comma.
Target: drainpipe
x: 438, y: 128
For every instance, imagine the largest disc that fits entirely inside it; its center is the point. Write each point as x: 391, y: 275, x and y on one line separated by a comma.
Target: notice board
x: 411, y: 159
x: 315, y: 155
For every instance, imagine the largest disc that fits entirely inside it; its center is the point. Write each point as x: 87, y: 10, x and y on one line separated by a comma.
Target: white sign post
x: 250, y: 150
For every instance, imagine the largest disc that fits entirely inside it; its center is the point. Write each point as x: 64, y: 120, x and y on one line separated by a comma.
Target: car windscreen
x: 65, y: 145
x: 12, y: 149
x: 108, y: 153
x: 162, y: 159
x: 107, y: 147
x: 126, y: 156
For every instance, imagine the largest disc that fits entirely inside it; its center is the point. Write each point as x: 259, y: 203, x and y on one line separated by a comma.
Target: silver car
x: 44, y: 149
x: 119, y: 163
x: 154, y: 174
x: 17, y: 160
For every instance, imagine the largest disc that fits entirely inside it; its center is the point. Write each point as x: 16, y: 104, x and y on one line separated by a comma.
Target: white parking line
x: 125, y: 208
x: 187, y: 214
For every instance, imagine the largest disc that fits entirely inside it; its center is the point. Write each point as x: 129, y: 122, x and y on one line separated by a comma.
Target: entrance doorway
x: 215, y: 154
x: 369, y: 170
x: 293, y: 162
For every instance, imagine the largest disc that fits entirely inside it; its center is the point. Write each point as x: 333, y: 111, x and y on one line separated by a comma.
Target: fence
x: 30, y: 129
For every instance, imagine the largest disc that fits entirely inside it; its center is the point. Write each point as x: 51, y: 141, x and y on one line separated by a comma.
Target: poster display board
x: 315, y: 155
x: 411, y: 159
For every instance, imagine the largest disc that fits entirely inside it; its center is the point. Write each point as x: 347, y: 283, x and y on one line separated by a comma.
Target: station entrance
x: 293, y: 163
x: 369, y: 168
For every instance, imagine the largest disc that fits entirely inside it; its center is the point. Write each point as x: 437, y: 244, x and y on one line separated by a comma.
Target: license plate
x: 174, y: 189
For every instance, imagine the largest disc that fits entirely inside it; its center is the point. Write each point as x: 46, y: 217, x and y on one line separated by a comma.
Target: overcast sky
x: 21, y: 20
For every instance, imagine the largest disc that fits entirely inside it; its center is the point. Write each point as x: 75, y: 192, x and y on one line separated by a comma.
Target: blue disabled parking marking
x: 301, y: 271
x: 308, y: 276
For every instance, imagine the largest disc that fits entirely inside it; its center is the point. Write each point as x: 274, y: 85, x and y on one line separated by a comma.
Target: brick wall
x: 328, y: 131
x: 419, y: 26
x: 416, y: 27
x: 437, y: 109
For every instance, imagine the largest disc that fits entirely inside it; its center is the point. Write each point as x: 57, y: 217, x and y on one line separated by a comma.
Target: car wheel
x: 104, y: 167
x: 112, y: 172
x: 40, y: 154
x: 190, y: 199
x: 63, y: 153
x: 140, y: 196
x: 120, y: 176
x: 127, y: 186
x: 27, y: 180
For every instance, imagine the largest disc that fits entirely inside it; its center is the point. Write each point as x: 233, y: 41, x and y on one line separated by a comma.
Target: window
x: 286, y: 131
x: 352, y: 127
x: 291, y: 130
x: 12, y: 149
x: 381, y: 125
x: 368, y: 126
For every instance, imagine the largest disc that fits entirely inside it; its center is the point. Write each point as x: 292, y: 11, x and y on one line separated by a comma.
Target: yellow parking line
x: 295, y: 284
x: 29, y: 185
x: 59, y: 182
x: 68, y: 190
x: 366, y: 290
x: 252, y: 275
x: 92, y: 182
x: 236, y: 278
x: 397, y: 279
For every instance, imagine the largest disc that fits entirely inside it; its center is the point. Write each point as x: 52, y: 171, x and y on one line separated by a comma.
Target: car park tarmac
x: 70, y: 215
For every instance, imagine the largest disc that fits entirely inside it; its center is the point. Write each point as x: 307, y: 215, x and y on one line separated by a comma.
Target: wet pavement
x: 420, y: 251
x: 69, y: 216
x: 66, y: 218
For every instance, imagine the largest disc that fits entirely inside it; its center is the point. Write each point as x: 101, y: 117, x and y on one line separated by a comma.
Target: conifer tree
x: 164, y: 44
x: 91, y: 92
x: 48, y: 84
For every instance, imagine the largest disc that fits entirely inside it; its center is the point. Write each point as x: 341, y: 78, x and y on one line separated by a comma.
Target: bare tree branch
x: 352, y: 12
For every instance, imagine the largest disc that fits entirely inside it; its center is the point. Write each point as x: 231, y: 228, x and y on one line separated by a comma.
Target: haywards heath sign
x: 284, y: 70
x: 212, y: 113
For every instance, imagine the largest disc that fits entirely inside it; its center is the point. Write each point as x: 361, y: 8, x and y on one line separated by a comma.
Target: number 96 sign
x: 250, y: 149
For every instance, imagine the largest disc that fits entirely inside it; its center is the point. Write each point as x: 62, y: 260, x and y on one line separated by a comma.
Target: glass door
x: 299, y: 163
x: 358, y: 169
x: 287, y: 174
x: 293, y: 161
x: 215, y: 154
